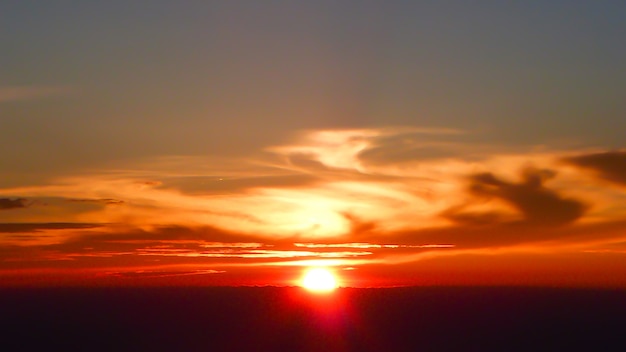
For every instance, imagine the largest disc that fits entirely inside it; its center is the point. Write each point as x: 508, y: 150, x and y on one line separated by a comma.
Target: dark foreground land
x: 289, y: 319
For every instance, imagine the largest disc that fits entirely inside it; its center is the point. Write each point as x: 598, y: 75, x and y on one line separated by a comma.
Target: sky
x: 239, y: 142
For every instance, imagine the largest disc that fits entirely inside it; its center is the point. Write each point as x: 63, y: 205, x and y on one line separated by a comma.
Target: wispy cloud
x: 37, y: 227
x: 16, y: 203
x: 157, y: 273
x: 99, y: 201
x: 326, y: 197
x: 609, y: 165
x: 361, y: 245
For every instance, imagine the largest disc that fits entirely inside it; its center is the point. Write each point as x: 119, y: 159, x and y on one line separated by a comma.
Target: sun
x: 319, y: 280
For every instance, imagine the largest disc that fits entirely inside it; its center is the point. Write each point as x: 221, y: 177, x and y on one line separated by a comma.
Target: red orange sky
x: 529, y: 218
x: 239, y: 144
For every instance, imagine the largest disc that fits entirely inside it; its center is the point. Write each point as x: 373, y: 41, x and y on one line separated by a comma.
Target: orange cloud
x: 608, y: 165
x: 342, y: 197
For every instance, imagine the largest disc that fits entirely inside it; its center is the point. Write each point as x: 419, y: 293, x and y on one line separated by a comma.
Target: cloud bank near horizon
x: 357, y: 197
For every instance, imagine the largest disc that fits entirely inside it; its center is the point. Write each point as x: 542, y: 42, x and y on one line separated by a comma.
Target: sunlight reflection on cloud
x: 332, y: 192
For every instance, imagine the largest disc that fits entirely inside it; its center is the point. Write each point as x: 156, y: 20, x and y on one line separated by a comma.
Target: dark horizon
x: 272, y: 319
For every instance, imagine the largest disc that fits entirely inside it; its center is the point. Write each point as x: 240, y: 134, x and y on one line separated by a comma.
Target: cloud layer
x: 348, y: 198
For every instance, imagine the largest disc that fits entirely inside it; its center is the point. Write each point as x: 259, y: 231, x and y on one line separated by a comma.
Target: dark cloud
x: 115, y: 244
x: 226, y: 185
x: 398, y: 149
x: 16, y: 203
x: 537, y: 204
x: 105, y: 201
x: 35, y: 227
x: 129, y: 238
x: 157, y: 273
x: 610, y: 166
x: 306, y: 161
x: 358, y: 226
x: 543, y: 212
x: 394, y: 149
x: 506, y: 234
x: 459, y: 215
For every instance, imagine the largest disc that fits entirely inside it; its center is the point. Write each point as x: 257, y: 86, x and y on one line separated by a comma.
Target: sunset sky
x: 240, y: 142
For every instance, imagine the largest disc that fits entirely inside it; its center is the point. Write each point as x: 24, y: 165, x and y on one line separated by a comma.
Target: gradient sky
x: 236, y: 142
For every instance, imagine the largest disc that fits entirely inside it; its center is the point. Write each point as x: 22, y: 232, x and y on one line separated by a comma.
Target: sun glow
x: 319, y: 280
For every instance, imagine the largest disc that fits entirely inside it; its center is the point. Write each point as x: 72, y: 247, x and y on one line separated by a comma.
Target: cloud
x: 346, y: 197
x: 609, y: 165
x: 177, y: 245
x: 159, y: 273
x: 37, y: 227
x: 105, y: 201
x: 15, y: 203
x: 198, y: 185
x: 342, y: 149
x: 537, y: 204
